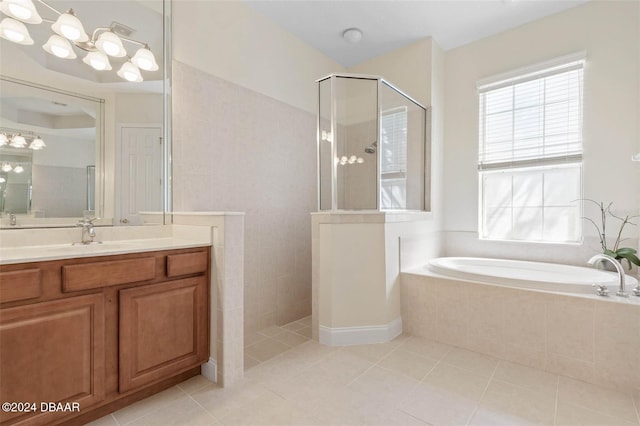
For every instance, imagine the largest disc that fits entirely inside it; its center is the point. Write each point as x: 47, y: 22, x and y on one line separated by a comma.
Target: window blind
x: 533, y: 119
x: 393, y: 125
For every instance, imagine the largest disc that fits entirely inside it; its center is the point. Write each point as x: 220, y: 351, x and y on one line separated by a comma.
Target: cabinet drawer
x: 103, y: 274
x: 20, y: 285
x: 188, y: 263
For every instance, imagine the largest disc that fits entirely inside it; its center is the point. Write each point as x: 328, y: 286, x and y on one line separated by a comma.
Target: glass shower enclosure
x: 372, y: 146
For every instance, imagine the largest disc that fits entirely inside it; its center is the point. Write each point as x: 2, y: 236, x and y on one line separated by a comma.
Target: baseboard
x: 210, y: 370
x: 347, y: 336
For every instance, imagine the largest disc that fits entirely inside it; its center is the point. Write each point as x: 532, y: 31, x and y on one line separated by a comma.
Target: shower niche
x: 373, y: 148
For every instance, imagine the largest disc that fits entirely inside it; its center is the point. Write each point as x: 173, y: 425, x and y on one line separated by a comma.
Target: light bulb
x: 2, y: 180
x: 60, y: 47
x: 130, y: 72
x: 18, y: 169
x: 97, y: 60
x: 360, y: 160
x: 37, y: 144
x: 70, y: 27
x: 23, y: 10
x: 3, y: 139
x: 18, y: 141
x: 110, y: 44
x: 15, y: 31
x: 6, y: 167
x: 145, y: 60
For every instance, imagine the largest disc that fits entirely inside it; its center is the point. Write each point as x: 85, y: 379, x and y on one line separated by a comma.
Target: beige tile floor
x: 292, y: 380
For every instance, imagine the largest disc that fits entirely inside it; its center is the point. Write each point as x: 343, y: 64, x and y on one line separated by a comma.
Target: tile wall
x: 238, y: 150
x: 592, y: 340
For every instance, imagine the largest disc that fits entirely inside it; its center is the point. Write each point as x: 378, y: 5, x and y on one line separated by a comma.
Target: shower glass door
x: 356, y: 131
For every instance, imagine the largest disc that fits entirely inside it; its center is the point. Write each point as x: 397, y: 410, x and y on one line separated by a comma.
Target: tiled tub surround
x: 593, y: 339
x: 237, y: 150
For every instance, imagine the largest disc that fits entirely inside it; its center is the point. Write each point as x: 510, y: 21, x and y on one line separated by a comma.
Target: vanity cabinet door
x: 52, y: 352
x: 163, y: 330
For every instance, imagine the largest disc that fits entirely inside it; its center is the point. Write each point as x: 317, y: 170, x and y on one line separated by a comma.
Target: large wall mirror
x: 84, y: 123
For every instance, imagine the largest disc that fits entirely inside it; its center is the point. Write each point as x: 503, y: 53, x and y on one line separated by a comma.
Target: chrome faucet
x: 599, y: 258
x: 12, y: 219
x: 88, y: 231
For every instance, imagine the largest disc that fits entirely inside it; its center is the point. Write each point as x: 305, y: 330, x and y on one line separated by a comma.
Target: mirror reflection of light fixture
x: 16, y: 139
x: 15, y: 31
x: 18, y: 169
x: 37, y: 144
x: 6, y: 167
x: 101, y: 42
x: 635, y: 157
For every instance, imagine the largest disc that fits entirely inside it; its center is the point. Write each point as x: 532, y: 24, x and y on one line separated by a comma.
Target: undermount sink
x: 79, y: 247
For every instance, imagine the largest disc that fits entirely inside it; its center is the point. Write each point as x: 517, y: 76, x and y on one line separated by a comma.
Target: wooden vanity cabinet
x: 102, y: 340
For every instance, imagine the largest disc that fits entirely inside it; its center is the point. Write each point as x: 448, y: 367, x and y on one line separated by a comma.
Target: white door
x: 140, y: 172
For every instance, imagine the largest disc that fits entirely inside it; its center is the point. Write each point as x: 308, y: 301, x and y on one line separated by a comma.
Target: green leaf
x: 625, y: 250
x: 630, y: 258
x: 610, y: 253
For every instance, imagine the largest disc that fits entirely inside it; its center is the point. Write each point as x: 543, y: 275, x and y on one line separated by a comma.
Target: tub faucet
x: 598, y: 258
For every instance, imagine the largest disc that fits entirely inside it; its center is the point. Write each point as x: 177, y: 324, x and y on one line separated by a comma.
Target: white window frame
x: 491, y: 161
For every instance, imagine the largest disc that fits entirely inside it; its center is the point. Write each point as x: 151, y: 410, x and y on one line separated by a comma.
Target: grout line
x: 555, y: 410
x: 114, y: 419
x: 475, y: 410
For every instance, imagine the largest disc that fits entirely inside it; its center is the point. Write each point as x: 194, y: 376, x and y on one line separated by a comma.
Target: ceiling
x: 390, y: 24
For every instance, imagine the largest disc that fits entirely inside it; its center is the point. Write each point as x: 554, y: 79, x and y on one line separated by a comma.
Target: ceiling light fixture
x: 70, y: 32
x: 352, y: 35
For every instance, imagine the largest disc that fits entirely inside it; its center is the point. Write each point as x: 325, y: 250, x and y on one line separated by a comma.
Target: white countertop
x: 23, y: 254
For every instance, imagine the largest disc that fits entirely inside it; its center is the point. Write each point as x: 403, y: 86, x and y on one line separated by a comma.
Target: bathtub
x: 531, y: 275
x: 542, y: 315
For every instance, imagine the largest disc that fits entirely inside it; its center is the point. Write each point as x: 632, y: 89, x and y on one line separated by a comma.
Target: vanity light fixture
x: 130, y: 72
x: 98, y: 61
x: 15, y: 31
x: 3, y: 139
x: 60, y: 47
x: 69, y: 32
x: 635, y: 157
x: 6, y: 167
x: 18, y: 169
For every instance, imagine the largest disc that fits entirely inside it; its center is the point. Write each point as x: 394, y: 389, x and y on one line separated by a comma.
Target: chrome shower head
x: 371, y: 149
